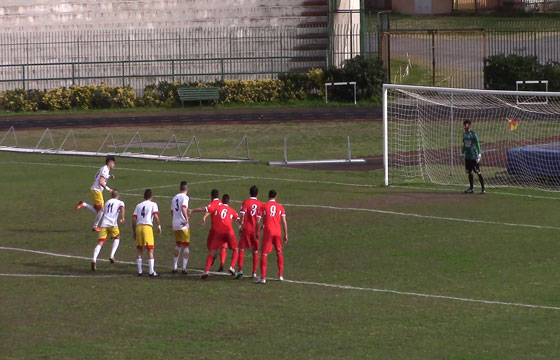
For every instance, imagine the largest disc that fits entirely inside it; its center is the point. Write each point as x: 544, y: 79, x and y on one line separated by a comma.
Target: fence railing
x: 137, y: 58
x: 507, y: 5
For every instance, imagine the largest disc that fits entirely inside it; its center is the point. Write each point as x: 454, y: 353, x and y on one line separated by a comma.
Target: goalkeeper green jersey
x: 471, y: 145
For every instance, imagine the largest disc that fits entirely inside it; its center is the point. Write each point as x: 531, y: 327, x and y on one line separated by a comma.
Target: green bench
x: 195, y: 93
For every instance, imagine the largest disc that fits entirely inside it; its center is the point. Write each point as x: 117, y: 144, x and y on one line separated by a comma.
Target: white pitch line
x: 199, y: 174
x: 190, y: 183
x: 432, y: 296
x: 490, y: 192
x: 64, y: 276
x: 343, y: 287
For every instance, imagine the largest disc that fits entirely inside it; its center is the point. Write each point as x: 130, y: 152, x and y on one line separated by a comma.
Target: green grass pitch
x: 372, y: 272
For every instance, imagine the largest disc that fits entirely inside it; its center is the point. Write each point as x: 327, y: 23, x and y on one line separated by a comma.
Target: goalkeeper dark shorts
x: 472, y: 165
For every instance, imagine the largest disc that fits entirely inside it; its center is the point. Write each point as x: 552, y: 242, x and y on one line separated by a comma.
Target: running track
x: 205, y: 116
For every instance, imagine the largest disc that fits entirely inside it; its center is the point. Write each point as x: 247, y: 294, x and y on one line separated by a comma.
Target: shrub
x: 501, y: 72
x: 17, y: 100
x: 251, y: 91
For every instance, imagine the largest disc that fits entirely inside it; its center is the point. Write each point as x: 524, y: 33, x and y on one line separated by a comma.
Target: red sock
x: 209, y: 261
x: 234, y: 258
x: 280, y: 259
x: 223, y: 255
x: 263, y: 266
x: 255, y: 261
x: 240, y: 260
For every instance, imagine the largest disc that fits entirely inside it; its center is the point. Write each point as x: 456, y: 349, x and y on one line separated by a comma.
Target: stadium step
x: 316, y: 3
x: 308, y: 47
x: 310, y: 24
x: 314, y: 35
x: 315, y: 13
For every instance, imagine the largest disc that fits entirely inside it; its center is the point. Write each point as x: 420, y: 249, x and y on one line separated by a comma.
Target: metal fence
x: 139, y: 57
x: 507, y: 5
x: 456, y: 57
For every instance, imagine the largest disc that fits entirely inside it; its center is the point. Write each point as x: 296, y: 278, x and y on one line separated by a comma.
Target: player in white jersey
x: 96, y: 191
x: 110, y: 227
x: 181, y: 231
x: 142, y: 230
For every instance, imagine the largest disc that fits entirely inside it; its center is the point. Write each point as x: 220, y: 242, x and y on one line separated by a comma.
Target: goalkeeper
x: 472, y: 152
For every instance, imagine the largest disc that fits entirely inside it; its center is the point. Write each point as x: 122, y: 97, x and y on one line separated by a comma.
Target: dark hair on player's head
x: 225, y: 199
x: 114, y: 193
x: 272, y: 194
x: 466, y: 122
x: 183, y: 186
x: 214, y: 194
x: 254, y: 191
x: 148, y: 194
x: 109, y: 158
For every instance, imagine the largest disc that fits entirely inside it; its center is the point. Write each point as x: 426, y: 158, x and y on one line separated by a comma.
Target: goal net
x: 519, y: 132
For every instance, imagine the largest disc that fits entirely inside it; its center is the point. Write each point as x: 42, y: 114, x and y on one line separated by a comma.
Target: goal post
x: 519, y: 132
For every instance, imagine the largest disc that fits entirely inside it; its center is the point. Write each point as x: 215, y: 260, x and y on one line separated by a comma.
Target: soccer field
x: 371, y: 272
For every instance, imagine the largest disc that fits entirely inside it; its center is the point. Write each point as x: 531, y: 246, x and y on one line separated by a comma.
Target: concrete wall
x: 47, y: 15
x: 422, y: 7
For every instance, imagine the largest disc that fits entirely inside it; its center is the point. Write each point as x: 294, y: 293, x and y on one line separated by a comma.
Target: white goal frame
x: 387, y: 87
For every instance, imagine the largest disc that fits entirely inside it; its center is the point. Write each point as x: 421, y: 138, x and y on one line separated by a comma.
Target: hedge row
x: 501, y: 72
x: 368, y: 74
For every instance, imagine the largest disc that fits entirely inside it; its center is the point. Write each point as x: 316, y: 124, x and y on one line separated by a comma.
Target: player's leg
x: 152, y: 261
x: 255, y: 250
x: 232, y: 243
x: 223, y: 256
x: 209, y: 260
x: 115, y: 234
x: 469, y: 169
x: 480, y: 178
x: 84, y: 204
x: 100, y: 242
x: 186, y: 254
x: 139, y: 247
x: 266, y: 248
x: 98, y: 203
x: 177, y: 250
x: 279, y: 256
x: 185, y: 243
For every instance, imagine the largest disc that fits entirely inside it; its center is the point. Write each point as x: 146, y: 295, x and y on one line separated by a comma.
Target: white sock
x: 115, y: 247
x: 90, y: 208
x: 176, y: 258
x: 185, y: 259
x: 152, y: 263
x: 139, y: 263
x: 98, y: 218
x: 96, y: 252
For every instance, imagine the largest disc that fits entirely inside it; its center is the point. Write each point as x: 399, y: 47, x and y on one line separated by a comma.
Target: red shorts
x: 222, y: 240
x: 270, y: 240
x: 210, y: 238
x: 249, y: 240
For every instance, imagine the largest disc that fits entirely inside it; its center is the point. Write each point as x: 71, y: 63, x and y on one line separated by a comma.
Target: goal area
x: 519, y: 132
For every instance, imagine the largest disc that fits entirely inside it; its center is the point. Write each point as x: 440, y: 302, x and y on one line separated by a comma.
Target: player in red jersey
x: 222, y: 217
x: 209, y: 209
x: 250, y: 214
x: 272, y: 215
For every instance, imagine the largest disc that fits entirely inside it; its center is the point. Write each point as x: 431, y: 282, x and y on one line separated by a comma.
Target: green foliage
x: 289, y: 87
x: 251, y: 91
x: 74, y: 97
x: 501, y: 72
x: 21, y: 100
x: 366, y: 72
